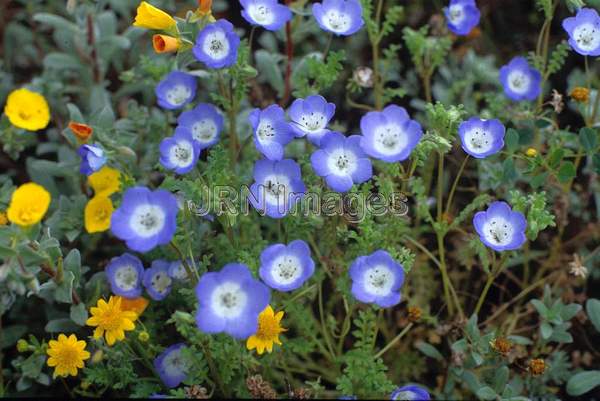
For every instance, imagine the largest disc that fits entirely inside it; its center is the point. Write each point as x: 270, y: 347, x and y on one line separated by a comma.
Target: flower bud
x: 580, y: 94
x: 204, y: 7
x: 537, y: 367
x: 144, y: 336
x: 82, y: 131
x: 165, y: 44
x: 363, y: 76
x: 97, y: 356
x: 414, y: 314
x: 22, y: 345
x: 531, y: 152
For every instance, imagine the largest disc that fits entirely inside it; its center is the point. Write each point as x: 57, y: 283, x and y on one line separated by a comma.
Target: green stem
x: 377, y: 81
x: 186, y: 266
x: 394, y: 341
x: 496, y: 270
x: 455, y: 183
x: 323, y: 324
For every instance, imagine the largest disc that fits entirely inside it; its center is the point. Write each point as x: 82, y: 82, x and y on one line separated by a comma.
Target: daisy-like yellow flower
x: 268, y: 331
x: 66, y: 355
x: 97, y: 214
x: 137, y: 305
x: 150, y: 17
x: 28, y: 110
x: 110, y: 320
x: 28, y: 205
x: 106, y: 181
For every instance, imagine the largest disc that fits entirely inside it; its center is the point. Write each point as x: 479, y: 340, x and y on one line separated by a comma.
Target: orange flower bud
x: 581, y: 94
x: 165, y: 43
x: 204, y: 7
x: 81, y: 131
x: 537, y: 367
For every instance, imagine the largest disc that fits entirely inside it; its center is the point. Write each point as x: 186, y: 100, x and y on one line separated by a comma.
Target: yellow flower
x: 3, y: 219
x: 151, y: 17
x: 28, y: 110
x: 165, y: 43
x: 531, y: 152
x: 97, y: 214
x: 110, y: 320
x: 67, y: 355
x: 28, y: 205
x: 106, y: 181
x: 268, y: 331
x: 137, y: 305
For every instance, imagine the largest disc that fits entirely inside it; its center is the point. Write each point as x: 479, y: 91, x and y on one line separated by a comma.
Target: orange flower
x: 165, y: 43
x: 82, y: 131
x: 136, y: 305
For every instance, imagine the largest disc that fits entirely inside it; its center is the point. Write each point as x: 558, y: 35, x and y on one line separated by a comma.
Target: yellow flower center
x: 268, y: 327
x: 110, y: 319
x: 68, y: 356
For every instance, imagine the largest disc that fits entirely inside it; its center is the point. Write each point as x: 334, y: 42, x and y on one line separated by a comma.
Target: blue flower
x: 462, y: 15
x: 271, y: 131
x: 125, y: 275
x: 286, y: 267
x: 277, y: 187
x: 145, y: 219
x: 177, y: 270
x: 481, y: 138
x: 180, y: 152
x: 410, y: 392
x: 389, y: 135
x: 500, y: 228
x: 205, y: 123
x: 584, y: 32
x: 92, y: 158
x: 341, y: 17
x: 172, y: 366
x: 377, y: 278
x: 217, y: 45
x: 520, y: 81
x: 230, y: 301
x: 266, y: 13
x: 341, y: 161
x: 310, y: 117
x: 157, y: 280
x: 176, y: 90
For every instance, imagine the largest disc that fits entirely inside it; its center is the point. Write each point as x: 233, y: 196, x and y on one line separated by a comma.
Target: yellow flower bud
x: 97, y: 356
x: 144, y: 336
x: 531, y: 152
x: 150, y: 17
x: 22, y: 345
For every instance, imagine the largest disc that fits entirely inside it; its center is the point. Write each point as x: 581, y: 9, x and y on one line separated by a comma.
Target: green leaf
x: 429, y: 350
x: 500, y: 379
x: 486, y: 393
x: 592, y: 307
x: 64, y: 288
x: 512, y: 140
x: 588, y: 137
x: 11, y: 334
x: 583, y: 382
x: 60, y: 326
x: 546, y: 330
x: 566, y: 172
x: 79, y: 314
x: 540, y: 307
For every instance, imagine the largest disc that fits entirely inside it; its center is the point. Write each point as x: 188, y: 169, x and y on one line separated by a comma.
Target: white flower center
x: 498, y: 231
x: 178, y: 94
x: 587, y: 36
x: 405, y: 396
x: 286, y: 269
x: 518, y: 82
x: 265, y: 131
x: 337, y: 21
x: 181, y: 154
x: 204, y: 130
x: 390, y: 139
x: 216, y: 45
x: 478, y: 140
x: 341, y: 162
x: 313, y: 121
x: 277, y: 189
x: 160, y: 282
x: 147, y: 220
x: 378, y: 280
x: 456, y: 13
x: 126, y: 277
x: 175, y: 364
x: 261, y: 14
x: 228, y: 300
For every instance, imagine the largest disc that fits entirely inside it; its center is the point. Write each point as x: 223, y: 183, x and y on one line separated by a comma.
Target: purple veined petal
x: 500, y: 228
x: 520, y: 81
x: 481, y: 138
x: 217, y: 45
x: 319, y: 163
x: 363, y: 172
x: 262, y: 169
x: 390, y: 300
x: 377, y: 278
x: 286, y: 268
x: 266, y: 13
x: 332, y: 140
x: 236, y: 272
x: 584, y: 32
x: 339, y: 183
x: 171, y: 366
x: 176, y: 90
x: 410, y: 392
